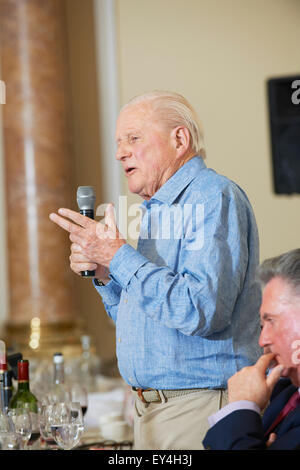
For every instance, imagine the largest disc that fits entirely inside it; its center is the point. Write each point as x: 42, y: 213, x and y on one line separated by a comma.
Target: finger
x: 79, y: 267
x: 264, y: 361
x: 75, y: 248
x: 80, y: 258
x: 272, y: 438
x: 65, y: 224
x: 100, y: 230
x: 74, y: 258
x: 76, y: 238
x: 110, y: 219
x: 80, y: 219
x: 274, y: 376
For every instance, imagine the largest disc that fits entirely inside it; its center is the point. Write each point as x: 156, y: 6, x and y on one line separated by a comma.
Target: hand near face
x: 93, y: 243
x: 251, y: 383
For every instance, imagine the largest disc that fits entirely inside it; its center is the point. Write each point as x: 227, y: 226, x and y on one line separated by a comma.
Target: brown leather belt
x: 150, y: 395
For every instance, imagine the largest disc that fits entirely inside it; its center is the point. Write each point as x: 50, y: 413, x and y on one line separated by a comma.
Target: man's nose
x: 264, y: 339
x: 123, y: 152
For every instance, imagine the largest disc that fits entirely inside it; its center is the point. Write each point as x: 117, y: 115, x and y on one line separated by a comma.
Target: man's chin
x: 286, y: 372
x: 292, y: 374
x: 289, y: 372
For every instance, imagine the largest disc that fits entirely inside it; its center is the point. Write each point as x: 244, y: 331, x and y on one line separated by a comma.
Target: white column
x: 108, y: 97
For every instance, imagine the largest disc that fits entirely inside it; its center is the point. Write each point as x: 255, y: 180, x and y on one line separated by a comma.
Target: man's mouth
x: 273, y: 363
x: 129, y: 170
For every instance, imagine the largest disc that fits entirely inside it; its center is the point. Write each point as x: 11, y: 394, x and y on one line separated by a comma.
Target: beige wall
x: 219, y: 53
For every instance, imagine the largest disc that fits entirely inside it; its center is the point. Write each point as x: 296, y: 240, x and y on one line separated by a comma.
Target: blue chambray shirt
x: 186, y: 307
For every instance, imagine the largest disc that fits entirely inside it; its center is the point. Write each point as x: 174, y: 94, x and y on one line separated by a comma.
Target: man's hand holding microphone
x: 94, y: 244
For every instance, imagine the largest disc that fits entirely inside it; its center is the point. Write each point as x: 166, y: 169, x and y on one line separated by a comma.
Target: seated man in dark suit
x: 276, y: 375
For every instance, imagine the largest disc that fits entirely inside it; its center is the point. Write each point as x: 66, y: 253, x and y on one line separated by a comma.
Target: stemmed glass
x: 8, y: 438
x: 45, y: 416
x: 23, y: 427
x: 79, y: 394
x: 67, y: 424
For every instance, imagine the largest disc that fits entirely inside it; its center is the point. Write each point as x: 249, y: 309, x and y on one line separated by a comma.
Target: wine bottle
x: 3, y: 359
x: 89, y: 364
x: 59, y: 391
x: 6, y: 387
x: 23, y: 398
x: 3, y: 368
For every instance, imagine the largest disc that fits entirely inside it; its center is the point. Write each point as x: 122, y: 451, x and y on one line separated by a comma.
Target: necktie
x: 293, y: 402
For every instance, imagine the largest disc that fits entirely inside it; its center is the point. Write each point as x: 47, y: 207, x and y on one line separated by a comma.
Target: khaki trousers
x: 179, y: 423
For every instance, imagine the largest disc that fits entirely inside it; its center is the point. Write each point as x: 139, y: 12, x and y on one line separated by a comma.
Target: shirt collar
x: 178, y: 182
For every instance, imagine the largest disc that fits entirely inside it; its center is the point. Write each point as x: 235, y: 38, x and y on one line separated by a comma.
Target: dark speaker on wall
x: 284, y: 114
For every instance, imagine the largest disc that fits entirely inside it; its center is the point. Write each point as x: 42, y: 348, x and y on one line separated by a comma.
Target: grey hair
x: 175, y: 110
x: 286, y: 266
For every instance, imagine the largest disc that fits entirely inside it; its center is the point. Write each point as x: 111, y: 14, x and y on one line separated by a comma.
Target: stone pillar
x: 38, y: 173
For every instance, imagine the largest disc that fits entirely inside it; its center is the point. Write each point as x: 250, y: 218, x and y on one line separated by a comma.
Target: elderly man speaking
x: 185, y: 306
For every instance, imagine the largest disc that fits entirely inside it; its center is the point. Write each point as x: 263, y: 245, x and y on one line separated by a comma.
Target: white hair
x: 174, y: 110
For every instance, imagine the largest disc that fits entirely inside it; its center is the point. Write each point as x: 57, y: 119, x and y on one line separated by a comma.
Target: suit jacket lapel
x: 292, y: 420
x: 276, y: 405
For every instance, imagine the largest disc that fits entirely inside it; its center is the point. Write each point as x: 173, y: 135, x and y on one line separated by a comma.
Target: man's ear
x: 181, y: 139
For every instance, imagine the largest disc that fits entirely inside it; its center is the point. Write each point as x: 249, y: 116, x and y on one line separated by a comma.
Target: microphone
x: 86, y: 200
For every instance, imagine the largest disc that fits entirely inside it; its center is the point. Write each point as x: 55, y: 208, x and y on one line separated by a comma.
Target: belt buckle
x: 159, y: 395
x: 140, y: 395
x: 140, y: 392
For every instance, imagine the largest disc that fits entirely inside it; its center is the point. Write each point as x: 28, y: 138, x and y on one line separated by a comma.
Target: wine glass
x: 45, y: 417
x: 5, y: 423
x: 35, y: 428
x: 79, y: 394
x: 67, y: 424
x: 23, y: 427
x: 9, y: 440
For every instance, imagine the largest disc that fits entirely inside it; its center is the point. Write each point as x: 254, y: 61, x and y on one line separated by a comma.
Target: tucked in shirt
x: 186, y: 301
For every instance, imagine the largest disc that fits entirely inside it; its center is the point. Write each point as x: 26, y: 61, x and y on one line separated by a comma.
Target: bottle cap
x: 58, y: 358
x: 23, y: 370
x: 3, y: 366
x: 85, y: 341
x: 3, y: 363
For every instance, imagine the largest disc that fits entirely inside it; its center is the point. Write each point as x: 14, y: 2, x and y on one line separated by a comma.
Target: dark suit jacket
x: 244, y: 429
